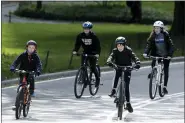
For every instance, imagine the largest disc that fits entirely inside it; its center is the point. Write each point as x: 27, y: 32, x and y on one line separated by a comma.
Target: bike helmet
x: 120, y: 40
x: 87, y: 25
x: 31, y: 42
x: 158, y: 24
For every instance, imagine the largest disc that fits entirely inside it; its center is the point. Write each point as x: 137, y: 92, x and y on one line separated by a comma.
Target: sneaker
x: 129, y: 108
x: 149, y: 75
x: 13, y: 107
x: 165, y: 90
x: 113, y: 92
x: 33, y: 94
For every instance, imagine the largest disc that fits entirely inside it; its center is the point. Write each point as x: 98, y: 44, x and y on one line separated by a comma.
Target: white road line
x: 70, y: 77
x: 141, y: 105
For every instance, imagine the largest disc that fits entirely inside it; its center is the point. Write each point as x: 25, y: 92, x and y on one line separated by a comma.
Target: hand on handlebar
x: 137, y: 66
x: 38, y: 73
x: 145, y: 55
x: 12, y: 69
x: 74, y: 52
x: 113, y: 65
x: 97, y: 55
x: 168, y: 57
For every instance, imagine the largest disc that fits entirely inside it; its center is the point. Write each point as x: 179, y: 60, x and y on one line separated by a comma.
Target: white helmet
x: 159, y: 24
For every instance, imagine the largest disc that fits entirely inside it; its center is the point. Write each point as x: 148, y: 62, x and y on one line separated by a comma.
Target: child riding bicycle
x: 91, y: 45
x: 160, y: 44
x: 122, y: 55
x: 28, y: 61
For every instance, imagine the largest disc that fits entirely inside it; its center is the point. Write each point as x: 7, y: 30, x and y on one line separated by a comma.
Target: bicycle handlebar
x: 86, y: 55
x: 125, y: 68
x: 156, y: 57
x: 24, y: 72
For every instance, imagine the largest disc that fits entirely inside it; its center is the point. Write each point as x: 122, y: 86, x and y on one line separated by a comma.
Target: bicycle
x: 84, y: 78
x: 23, y: 98
x: 156, y: 77
x: 120, y: 95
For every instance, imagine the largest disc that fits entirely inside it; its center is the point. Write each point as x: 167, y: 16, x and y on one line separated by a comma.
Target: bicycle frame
x: 24, y: 85
x: 159, y: 67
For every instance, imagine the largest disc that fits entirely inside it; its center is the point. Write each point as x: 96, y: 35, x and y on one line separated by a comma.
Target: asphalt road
x: 55, y: 101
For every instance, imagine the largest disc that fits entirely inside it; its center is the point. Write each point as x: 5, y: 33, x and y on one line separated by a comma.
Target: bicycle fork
x: 158, y: 76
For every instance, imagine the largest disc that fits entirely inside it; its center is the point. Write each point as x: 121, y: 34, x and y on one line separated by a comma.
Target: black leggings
x: 127, y: 82
x: 92, y: 62
x: 166, y: 69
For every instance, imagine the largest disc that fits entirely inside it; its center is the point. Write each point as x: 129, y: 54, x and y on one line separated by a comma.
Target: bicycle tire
x: 91, y: 90
x: 99, y: 71
x: 26, y: 107
x: 153, y: 74
x: 120, y: 101
x: 161, y: 93
x: 19, y: 103
x: 80, y: 71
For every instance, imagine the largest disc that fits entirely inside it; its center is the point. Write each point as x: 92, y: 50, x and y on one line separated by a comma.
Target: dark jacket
x: 34, y: 64
x: 123, y: 58
x: 90, y: 43
x: 151, y: 47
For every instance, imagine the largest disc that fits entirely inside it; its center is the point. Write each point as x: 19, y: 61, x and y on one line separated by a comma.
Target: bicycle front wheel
x: 92, y: 89
x: 120, y: 101
x: 161, y: 92
x: 153, y: 84
x: 79, y: 83
x: 26, y: 106
x: 19, y: 103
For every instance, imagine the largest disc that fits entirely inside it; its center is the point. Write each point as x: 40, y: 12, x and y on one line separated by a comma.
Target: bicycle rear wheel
x: 161, y: 92
x: 92, y: 89
x: 120, y: 101
x: 79, y: 82
x: 153, y: 84
x: 26, y: 106
x: 19, y: 103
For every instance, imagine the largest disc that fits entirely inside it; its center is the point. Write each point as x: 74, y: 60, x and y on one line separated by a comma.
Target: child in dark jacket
x: 28, y: 61
x: 122, y: 56
x: 160, y: 44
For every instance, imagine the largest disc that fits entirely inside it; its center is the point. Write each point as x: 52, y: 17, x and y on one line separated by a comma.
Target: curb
x: 73, y: 73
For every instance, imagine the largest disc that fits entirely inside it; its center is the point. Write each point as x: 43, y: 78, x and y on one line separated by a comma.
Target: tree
x: 39, y: 5
x: 136, y: 10
x: 178, y: 21
x: 102, y: 3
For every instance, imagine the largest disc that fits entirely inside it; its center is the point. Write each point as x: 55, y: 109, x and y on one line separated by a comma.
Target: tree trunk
x: 178, y: 21
x: 105, y: 3
x: 39, y: 5
x: 136, y: 10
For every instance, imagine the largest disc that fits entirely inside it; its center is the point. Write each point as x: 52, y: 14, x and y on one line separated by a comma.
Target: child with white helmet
x: 160, y: 44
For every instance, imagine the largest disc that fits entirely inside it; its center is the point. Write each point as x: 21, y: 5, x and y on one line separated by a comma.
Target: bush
x: 77, y: 12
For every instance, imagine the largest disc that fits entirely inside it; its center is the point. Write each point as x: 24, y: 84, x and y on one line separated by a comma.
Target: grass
x: 59, y: 39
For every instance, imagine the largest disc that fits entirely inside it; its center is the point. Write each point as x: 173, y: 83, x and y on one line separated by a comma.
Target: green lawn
x: 59, y: 39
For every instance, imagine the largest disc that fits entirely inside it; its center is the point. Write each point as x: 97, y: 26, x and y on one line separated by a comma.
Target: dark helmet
x: 120, y: 40
x: 31, y: 42
x: 87, y: 25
